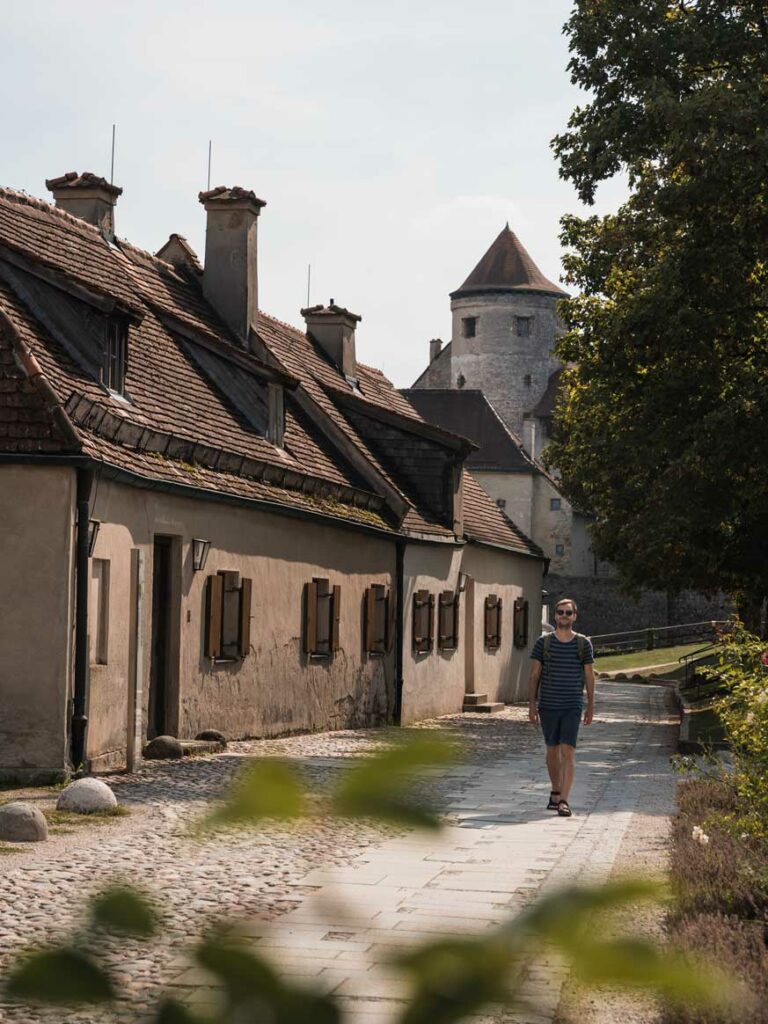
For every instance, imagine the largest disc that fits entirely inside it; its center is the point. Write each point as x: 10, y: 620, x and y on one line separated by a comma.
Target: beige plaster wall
x: 503, y: 674
x: 516, y: 490
x: 275, y: 689
x: 37, y: 511
x: 435, y: 683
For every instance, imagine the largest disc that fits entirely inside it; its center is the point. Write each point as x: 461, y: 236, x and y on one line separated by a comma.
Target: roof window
x: 115, y: 355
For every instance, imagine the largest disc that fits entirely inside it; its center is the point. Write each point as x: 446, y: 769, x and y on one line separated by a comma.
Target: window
x: 523, y: 326
x: 448, y: 621
x: 98, y: 611
x: 501, y: 502
x: 492, y: 622
x: 559, y: 549
x: 276, y: 415
x: 322, y: 615
x: 115, y: 355
x: 423, y: 621
x: 379, y: 627
x: 520, y: 624
x: 469, y: 326
x: 555, y: 504
x: 527, y: 380
x: 227, y: 617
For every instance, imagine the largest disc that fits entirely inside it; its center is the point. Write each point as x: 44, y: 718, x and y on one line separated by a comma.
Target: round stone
x: 85, y: 796
x: 22, y: 823
x: 163, y: 747
x: 213, y: 736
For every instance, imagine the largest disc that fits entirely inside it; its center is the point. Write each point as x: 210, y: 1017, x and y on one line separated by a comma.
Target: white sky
x: 390, y: 141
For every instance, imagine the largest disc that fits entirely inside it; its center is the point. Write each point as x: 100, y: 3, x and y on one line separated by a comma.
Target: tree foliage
x: 663, y: 422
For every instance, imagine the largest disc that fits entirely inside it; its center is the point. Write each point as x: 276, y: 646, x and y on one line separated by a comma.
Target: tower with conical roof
x: 505, y: 325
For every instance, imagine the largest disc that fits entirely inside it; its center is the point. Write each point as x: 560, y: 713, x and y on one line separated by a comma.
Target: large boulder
x: 162, y: 748
x: 22, y: 823
x: 86, y: 796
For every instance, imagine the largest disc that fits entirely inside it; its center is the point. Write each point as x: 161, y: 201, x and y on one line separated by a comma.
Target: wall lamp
x: 464, y: 578
x: 200, y: 549
x: 93, y: 532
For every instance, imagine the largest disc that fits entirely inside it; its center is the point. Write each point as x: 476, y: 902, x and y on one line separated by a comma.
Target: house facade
x: 214, y: 520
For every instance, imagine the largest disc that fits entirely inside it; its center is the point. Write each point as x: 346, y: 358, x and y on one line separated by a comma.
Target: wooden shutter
x: 521, y: 622
x: 322, y: 618
x: 376, y: 619
x: 214, y: 604
x: 335, y: 611
x: 310, y: 617
x: 230, y: 615
x: 246, y: 588
x: 423, y: 616
x: 492, y: 622
x: 448, y: 621
x: 391, y: 618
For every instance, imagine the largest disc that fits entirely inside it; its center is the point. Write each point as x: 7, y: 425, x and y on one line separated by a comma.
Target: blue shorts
x: 560, y: 725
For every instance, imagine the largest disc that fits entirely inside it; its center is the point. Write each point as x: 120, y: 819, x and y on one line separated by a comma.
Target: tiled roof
x: 468, y: 412
x: 194, y: 399
x: 507, y: 266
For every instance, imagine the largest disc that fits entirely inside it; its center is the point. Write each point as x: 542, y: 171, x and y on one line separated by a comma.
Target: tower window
x: 554, y: 504
x: 501, y: 502
x: 469, y: 326
x: 527, y: 380
x: 115, y: 355
x: 523, y: 326
x: 559, y: 549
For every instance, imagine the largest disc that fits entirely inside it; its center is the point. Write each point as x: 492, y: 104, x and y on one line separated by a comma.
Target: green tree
x: 662, y: 425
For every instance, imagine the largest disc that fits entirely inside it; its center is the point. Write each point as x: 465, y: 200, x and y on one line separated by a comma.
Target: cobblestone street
x: 329, y: 904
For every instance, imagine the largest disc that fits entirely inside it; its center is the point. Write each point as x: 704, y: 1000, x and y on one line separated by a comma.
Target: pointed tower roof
x: 507, y: 267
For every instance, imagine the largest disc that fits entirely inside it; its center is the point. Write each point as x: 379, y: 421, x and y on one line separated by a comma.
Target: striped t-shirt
x: 562, y: 679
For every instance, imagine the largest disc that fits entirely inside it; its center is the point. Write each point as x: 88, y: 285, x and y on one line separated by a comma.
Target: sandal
x: 563, y: 809
x: 552, y: 805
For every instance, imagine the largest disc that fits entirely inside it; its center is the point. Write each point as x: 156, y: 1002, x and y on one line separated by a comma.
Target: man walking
x: 561, y: 667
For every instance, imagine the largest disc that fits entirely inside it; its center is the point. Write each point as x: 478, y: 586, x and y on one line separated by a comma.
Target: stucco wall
x: 275, y: 689
x: 435, y: 683
x: 497, y: 360
x: 516, y: 490
x: 37, y: 507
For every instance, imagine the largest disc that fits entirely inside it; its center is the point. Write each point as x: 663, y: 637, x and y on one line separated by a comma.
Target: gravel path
x: 262, y: 875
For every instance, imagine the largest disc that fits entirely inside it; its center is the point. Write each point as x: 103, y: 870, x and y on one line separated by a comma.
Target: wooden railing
x: 656, y: 636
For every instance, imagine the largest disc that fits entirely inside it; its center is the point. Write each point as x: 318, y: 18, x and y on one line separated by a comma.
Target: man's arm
x: 533, y: 691
x: 589, y: 679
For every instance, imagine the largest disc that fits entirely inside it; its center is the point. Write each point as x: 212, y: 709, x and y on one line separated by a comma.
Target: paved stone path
x: 329, y: 905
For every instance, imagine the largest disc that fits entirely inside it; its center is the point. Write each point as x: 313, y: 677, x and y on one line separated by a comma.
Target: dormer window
x: 115, y: 361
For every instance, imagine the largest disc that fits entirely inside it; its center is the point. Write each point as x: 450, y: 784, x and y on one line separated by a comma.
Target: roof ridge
x: 13, y: 195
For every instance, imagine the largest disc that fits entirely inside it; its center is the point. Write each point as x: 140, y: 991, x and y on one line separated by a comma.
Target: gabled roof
x: 194, y: 404
x: 468, y: 412
x: 507, y: 267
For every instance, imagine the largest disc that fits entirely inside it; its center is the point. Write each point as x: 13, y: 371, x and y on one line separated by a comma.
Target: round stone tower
x: 504, y: 330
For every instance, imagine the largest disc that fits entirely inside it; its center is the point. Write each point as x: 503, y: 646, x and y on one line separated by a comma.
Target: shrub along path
x: 335, y: 926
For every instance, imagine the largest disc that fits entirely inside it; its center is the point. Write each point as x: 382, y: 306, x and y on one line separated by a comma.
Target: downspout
x: 399, y: 628
x: 79, y: 717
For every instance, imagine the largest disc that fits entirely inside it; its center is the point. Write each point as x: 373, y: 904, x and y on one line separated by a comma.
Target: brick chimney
x: 435, y: 347
x: 88, y: 197
x: 230, y: 277
x: 333, y: 328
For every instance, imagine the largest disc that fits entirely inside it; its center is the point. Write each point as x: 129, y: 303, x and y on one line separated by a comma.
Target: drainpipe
x: 79, y: 717
x: 399, y: 629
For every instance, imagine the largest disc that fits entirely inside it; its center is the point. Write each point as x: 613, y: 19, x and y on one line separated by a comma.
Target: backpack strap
x: 581, y: 647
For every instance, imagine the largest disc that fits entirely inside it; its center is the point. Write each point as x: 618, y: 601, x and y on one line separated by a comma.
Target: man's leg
x: 554, y: 768
x: 567, y: 757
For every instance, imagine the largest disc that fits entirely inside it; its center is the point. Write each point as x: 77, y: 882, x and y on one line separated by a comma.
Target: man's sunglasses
x: 567, y: 611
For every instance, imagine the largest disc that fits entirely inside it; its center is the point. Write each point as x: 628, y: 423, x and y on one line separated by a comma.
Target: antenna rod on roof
x: 210, y: 146
x: 112, y: 166
x: 309, y: 278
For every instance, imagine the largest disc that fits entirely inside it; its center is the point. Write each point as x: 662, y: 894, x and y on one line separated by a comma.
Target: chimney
x: 230, y: 278
x: 88, y: 197
x: 435, y: 347
x: 333, y: 328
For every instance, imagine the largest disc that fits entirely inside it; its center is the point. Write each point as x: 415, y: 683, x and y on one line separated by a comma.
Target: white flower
x: 699, y: 835
x: 762, y: 697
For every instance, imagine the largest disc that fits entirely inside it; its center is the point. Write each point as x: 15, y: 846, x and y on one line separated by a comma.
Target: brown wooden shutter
x: 310, y: 617
x: 447, y: 626
x: 391, y: 618
x: 423, y: 604
x: 335, y: 617
x: 323, y: 618
x: 492, y: 621
x: 370, y: 619
x: 455, y: 622
x: 499, y: 609
x: 246, y: 588
x: 214, y: 602
x: 431, y: 622
x: 521, y: 622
